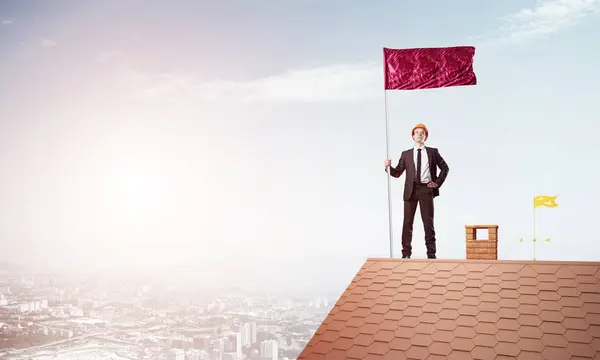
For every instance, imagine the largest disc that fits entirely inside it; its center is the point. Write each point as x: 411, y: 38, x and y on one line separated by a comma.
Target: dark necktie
x: 418, y: 179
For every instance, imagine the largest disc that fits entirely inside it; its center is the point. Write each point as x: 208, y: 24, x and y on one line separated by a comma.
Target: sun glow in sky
x: 132, y: 192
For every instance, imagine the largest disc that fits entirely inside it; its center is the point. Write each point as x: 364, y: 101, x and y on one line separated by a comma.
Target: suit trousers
x: 423, y: 196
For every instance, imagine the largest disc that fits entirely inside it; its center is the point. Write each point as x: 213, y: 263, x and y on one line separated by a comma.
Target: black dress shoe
x: 431, y: 257
x: 406, y: 256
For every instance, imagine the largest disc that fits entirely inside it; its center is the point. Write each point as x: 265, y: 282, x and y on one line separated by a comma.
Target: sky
x: 249, y: 137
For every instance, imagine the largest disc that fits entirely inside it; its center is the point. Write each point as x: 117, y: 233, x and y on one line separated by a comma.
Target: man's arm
x: 444, y: 169
x: 399, y: 169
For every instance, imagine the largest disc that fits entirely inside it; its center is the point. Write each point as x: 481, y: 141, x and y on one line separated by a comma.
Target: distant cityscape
x: 65, y: 317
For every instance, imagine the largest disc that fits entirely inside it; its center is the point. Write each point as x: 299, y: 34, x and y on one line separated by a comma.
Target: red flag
x: 428, y: 68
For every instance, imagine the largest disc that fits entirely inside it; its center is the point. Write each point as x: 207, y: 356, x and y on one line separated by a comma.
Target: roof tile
x: 468, y: 310
x: 583, y: 350
x: 464, y: 309
x: 464, y: 344
x: 509, y: 276
x: 357, y: 352
x: 421, y: 340
x: 443, y: 336
x: 486, y: 328
x: 567, y: 282
x: 350, y: 333
x: 458, y: 355
x: 593, y: 319
x: 575, y: 324
x: 553, y: 328
x: 508, y: 303
x: 531, y: 320
x: 508, y: 324
x: 507, y: 349
x: 567, y: 273
x: 466, y: 320
x: 342, y: 344
x: 529, y: 355
x: 440, y: 348
x: 417, y: 352
x: 404, y: 332
x: 464, y: 332
x: 532, y: 345
x: 335, y: 354
x: 489, y: 317
x: 418, y: 302
x: 507, y: 336
x: 578, y: 336
x: 550, y: 295
x: 372, y: 357
x: 379, y: 309
x: 586, y: 279
x: 429, y: 318
x: 531, y: 332
x: 551, y: 316
x: 389, y: 325
x: 551, y: 278
x: 550, y: 305
x: 435, y: 357
x: 364, y: 340
x: 554, y: 340
x: 507, y: 313
x: 525, y: 281
x: 485, y: 340
x: 378, y: 348
x: 471, y: 300
x: 384, y: 336
x: 394, y: 355
x: 413, y: 311
x: 483, y: 353
x: 400, y: 344
x: 555, y: 353
x: 425, y: 328
x: 548, y: 286
x: 591, y: 298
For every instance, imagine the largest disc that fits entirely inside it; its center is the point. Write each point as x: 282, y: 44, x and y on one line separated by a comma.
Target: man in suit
x: 421, y: 186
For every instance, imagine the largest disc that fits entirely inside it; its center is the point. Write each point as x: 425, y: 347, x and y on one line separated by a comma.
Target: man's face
x: 419, y: 135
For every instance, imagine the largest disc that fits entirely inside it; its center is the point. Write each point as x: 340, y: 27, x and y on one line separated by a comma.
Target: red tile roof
x: 464, y: 309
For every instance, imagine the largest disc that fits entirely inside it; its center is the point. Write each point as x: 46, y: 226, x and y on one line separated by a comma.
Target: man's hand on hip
x: 432, y: 185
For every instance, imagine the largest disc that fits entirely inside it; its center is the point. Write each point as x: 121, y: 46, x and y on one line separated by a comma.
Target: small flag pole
x: 536, y: 203
x: 389, y: 181
x: 534, y: 228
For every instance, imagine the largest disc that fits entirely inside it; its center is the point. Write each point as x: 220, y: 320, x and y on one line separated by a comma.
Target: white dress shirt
x: 425, y: 173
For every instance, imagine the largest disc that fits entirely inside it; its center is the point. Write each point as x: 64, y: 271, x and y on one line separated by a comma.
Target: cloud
x: 48, y: 43
x: 546, y: 17
x: 111, y: 56
x: 7, y: 22
x: 327, y: 83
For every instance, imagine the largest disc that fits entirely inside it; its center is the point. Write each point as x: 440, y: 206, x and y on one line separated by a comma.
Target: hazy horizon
x: 234, y: 136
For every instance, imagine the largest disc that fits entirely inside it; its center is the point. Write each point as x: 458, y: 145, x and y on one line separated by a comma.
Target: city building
x: 176, y: 354
x: 269, y: 350
x: 248, y: 332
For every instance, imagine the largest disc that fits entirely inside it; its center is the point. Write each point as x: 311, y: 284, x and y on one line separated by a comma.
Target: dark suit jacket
x: 407, y: 163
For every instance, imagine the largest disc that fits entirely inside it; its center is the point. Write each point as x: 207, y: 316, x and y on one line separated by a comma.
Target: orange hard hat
x: 421, y: 126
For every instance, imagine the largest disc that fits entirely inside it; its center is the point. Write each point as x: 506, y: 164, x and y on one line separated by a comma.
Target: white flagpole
x: 389, y: 182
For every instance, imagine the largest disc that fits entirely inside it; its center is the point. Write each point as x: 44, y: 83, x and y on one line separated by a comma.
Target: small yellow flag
x: 547, y: 201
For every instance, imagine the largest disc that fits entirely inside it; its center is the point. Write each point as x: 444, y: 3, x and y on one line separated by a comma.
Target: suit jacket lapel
x: 430, y: 158
x: 411, y: 161
x: 432, y: 163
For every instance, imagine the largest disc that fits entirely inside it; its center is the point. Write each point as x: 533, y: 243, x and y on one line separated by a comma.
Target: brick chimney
x: 482, y: 249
